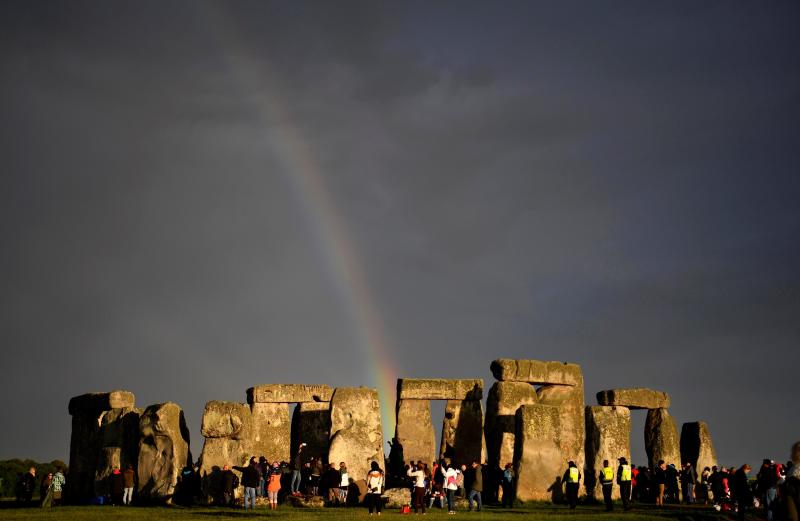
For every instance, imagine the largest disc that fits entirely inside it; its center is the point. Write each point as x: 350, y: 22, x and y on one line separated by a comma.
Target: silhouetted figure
x: 572, y: 480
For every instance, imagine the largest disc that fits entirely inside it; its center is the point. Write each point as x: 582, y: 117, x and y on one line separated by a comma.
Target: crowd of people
x: 775, y: 488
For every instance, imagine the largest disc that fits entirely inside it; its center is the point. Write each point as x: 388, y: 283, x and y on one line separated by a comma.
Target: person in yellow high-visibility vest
x: 572, y: 479
x: 606, y: 478
x: 624, y: 476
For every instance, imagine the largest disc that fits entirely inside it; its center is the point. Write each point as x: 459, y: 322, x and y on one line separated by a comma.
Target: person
x: 661, y: 482
x: 297, y: 467
x: 672, y: 487
x: 116, y: 486
x: 741, y: 490
x: 572, y: 479
x: 250, y: 478
x: 46, y: 490
x: 274, y: 485
x: 417, y: 473
x: 58, y: 486
x: 129, y: 482
x: 791, y: 485
x: 507, y: 484
x: 767, y: 486
x: 375, y: 482
x: 27, y: 485
x: 229, y: 483
x: 263, y: 470
x: 344, y: 482
x: 705, y: 485
x: 330, y: 484
x: 625, y: 482
x: 450, y: 474
x: 606, y: 478
x: 316, y: 474
x: 688, y: 479
x: 476, y: 487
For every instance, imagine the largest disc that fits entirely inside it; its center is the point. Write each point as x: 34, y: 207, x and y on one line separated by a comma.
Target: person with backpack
x: 450, y: 474
x: 375, y: 483
x: 572, y: 479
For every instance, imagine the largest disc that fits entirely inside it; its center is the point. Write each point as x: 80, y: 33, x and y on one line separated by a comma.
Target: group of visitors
x: 51, y: 488
x: 443, y: 481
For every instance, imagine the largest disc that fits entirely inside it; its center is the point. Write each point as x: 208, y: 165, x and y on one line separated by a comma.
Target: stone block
x: 439, y: 389
x: 537, y: 372
x: 608, y: 437
x: 697, y: 447
x: 634, y: 398
x: 538, y: 459
x: 661, y: 438
x: 289, y: 393
x: 163, y: 451
x: 356, y: 433
x: 503, y: 401
x: 462, y: 432
x: 414, y: 430
x: 227, y: 420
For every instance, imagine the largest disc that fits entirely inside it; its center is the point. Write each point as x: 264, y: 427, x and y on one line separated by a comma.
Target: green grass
x: 541, y: 512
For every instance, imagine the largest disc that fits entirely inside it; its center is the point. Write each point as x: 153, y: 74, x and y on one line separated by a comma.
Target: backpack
x: 235, y: 481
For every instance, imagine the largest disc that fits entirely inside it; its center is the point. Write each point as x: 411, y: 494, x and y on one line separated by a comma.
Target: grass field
x: 534, y: 513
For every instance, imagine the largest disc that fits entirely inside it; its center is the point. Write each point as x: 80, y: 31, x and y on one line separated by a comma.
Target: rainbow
x: 332, y: 238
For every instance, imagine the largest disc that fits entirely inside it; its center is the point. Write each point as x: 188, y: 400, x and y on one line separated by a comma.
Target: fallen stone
x: 661, y: 438
x: 414, y: 430
x: 503, y: 401
x: 311, y: 424
x: 289, y: 393
x: 608, y: 437
x: 634, y: 398
x: 537, y: 372
x: 306, y: 501
x: 163, y: 450
x: 397, y: 497
x: 227, y: 420
x: 95, y: 403
x: 462, y: 432
x: 696, y: 446
x: 356, y: 434
x: 271, y: 436
x: 439, y: 389
x: 538, y: 460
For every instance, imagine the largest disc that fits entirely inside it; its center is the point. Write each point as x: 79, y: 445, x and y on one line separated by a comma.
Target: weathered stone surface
x: 462, y: 432
x: 608, y: 437
x: 439, y: 389
x: 108, y: 459
x: 634, y: 398
x: 95, y: 403
x: 501, y: 415
x: 537, y: 372
x: 163, y: 450
x: 696, y: 446
x: 289, y: 393
x: 218, y: 452
x: 96, y: 425
x: 311, y: 424
x: 271, y: 431
x: 414, y: 430
x: 227, y: 420
x: 661, y: 438
x: 538, y: 459
x: 569, y: 400
x: 356, y: 434
x: 397, y: 497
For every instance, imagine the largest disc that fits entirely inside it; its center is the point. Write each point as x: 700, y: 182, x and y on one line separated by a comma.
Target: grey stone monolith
x: 697, y: 447
x: 356, y: 434
x: 311, y: 424
x: 538, y: 459
x: 608, y: 437
x: 634, y: 398
x: 503, y: 401
x: 661, y: 438
x: 414, y: 430
x: 462, y: 432
x: 163, y: 451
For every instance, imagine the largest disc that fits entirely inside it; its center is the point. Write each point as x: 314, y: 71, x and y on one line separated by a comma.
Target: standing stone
x: 163, y: 450
x: 271, y: 431
x: 504, y: 399
x: 608, y: 437
x: 117, y: 444
x: 91, y: 432
x: 538, y: 460
x: 414, y: 431
x: 696, y: 446
x: 311, y: 424
x: 462, y: 432
x: 227, y: 420
x: 108, y: 459
x: 661, y: 438
x: 356, y: 434
x: 569, y: 400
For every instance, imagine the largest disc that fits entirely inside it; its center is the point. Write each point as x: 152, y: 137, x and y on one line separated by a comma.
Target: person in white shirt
x: 375, y: 481
x: 450, y: 474
x: 417, y: 473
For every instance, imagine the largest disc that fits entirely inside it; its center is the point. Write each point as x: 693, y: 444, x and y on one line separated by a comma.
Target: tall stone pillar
x: 356, y: 433
x: 163, y: 451
x: 661, y: 438
x: 414, y: 430
x: 462, y: 432
x: 538, y: 461
x: 504, y: 399
x: 271, y: 431
x: 696, y: 446
x: 311, y: 424
x: 608, y: 437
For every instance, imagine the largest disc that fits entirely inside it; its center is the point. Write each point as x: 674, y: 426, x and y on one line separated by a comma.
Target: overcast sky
x: 608, y: 183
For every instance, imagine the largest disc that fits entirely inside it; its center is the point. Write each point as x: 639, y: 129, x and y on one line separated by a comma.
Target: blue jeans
x: 451, y: 500
x: 475, y: 494
x: 249, y: 493
x: 296, y: 481
x: 262, y: 489
x: 769, y: 502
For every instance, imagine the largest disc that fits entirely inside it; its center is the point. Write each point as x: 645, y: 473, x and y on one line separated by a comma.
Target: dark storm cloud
x: 612, y: 184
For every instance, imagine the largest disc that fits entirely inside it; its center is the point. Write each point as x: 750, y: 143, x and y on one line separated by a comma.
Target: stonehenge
x: 462, y: 428
x: 535, y: 418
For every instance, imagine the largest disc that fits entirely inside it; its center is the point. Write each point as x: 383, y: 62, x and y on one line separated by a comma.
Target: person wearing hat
x: 572, y: 479
x: 297, y: 467
x: 624, y: 478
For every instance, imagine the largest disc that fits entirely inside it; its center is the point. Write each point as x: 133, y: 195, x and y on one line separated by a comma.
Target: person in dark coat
x: 27, y: 485
x: 688, y: 480
x: 742, y: 493
x: 507, y: 484
x: 572, y: 480
x: 229, y: 483
x: 116, y: 486
x: 251, y: 477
